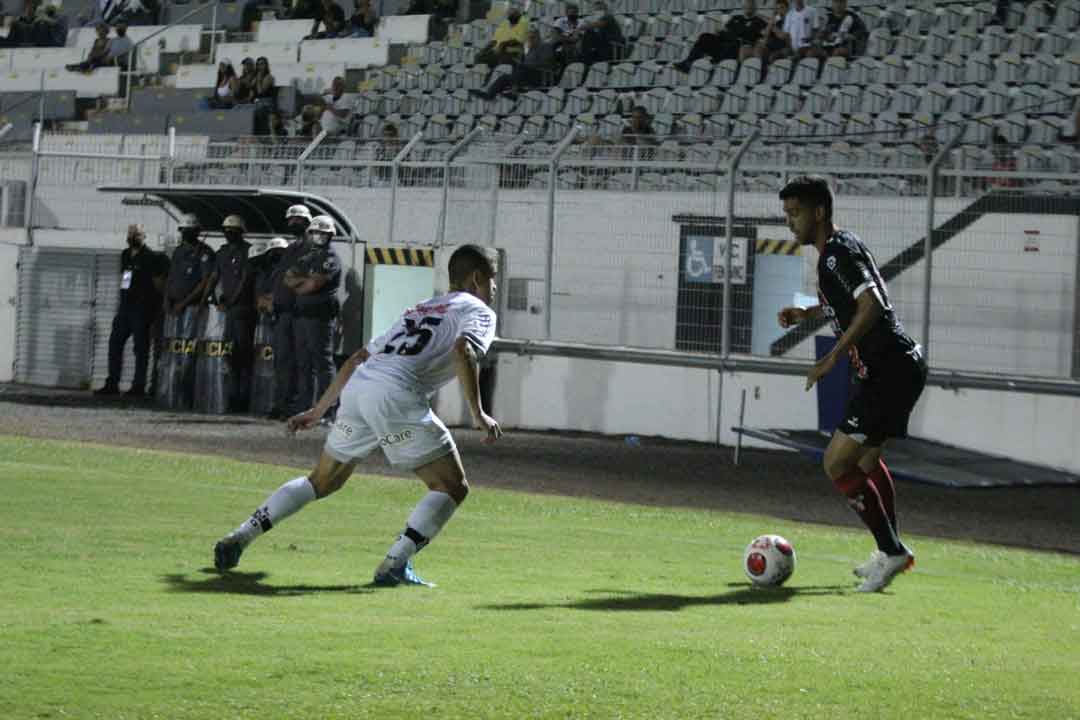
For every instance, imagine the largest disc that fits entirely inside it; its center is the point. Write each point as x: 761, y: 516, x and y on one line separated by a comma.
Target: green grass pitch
x: 546, y: 608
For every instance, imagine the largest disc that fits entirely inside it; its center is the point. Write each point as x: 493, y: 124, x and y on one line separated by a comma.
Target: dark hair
x: 641, y: 109
x: 466, y: 260
x: 810, y: 190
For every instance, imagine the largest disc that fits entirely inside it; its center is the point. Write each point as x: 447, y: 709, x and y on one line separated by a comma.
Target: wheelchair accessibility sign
x: 705, y: 259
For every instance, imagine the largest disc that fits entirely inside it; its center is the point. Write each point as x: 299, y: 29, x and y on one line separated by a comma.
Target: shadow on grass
x: 741, y: 594
x: 250, y: 583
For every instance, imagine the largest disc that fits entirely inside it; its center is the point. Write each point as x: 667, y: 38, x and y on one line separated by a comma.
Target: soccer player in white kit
x: 385, y: 392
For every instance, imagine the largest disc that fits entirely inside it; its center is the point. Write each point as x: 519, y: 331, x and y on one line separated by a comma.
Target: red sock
x: 865, y: 500
x: 881, y: 478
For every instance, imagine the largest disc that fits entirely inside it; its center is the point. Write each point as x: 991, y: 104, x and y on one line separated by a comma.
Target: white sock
x: 426, y: 520
x: 285, y: 501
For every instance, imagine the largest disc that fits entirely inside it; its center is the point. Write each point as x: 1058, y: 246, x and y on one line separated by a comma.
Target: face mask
x: 273, y: 256
x: 233, y: 236
x: 189, y: 235
x: 320, y: 239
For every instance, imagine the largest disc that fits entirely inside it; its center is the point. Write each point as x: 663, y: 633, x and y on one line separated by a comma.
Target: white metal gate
x: 67, y: 300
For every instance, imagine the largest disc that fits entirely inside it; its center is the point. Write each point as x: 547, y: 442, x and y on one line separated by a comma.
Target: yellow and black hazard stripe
x: 776, y: 247
x: 420, y: 257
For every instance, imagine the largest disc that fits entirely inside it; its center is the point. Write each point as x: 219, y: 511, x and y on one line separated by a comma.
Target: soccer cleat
x: 388, y: 575
x: 227, y: 553
x: 885, y: 569
x: 864, y: 569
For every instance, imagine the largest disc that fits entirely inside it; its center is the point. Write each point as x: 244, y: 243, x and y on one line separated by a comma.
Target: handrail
x: 151, y: 36
x: 304, y: 156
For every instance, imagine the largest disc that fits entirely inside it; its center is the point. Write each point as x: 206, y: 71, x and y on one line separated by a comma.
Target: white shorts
x: 373, y: 414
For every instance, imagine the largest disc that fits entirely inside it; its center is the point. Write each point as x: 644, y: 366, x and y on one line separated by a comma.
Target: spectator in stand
x: 331, y: 113
x: 264, y: 95
x: 509, y: 43
x: 21, y: 29
x: 640, y: 132
x: 300, y: 10
x: 536, y: 69
x: 602, y: 39
x: 245, y: 84
x: 844, y: 34
x: 364, y: 20
x: 1004, y: 161
x: 225, y: 86
x: 50, y: 29
x: 120, y: 46
x: 775, y: 43
x: 387, y: 150
x: 332, y: 19
x: 570, y: 30
x: 737, y: 41
x: 799, y: 25
x: 99, y: 52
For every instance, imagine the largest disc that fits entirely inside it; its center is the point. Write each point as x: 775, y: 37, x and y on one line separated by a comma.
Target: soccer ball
x: 769, y: 560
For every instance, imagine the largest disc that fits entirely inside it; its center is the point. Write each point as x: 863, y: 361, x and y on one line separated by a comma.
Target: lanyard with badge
x: 125, y: 279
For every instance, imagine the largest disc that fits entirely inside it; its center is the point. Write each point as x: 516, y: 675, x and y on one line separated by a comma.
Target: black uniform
x: 140, y: 304
x: 315, y: 316
x: 847, y: 30
x: 285, y: 341
x: 740, y: 30
x: 191, y: 264
x: 888, y: 368
x: 236, y: 294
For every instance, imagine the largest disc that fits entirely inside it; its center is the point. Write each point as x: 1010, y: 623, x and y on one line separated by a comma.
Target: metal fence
x: 674, y: 249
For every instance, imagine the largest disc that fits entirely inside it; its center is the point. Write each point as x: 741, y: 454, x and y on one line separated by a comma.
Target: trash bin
x: 832, y: 390
x: 176, y: 370
x: 213, y: 381
x: 262, y: 372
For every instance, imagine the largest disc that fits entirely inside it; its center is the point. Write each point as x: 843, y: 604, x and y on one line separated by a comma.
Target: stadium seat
x: 939, y: 41
x: 879, y: 43
x: 967, y: 99
x: 1069, y: 70
x: 707, y: 100
x: 788, y: 99
x: 1010, y: 68
x: 605, y: 102
x: 700, y: 72
x: 623, y: 75
x: 996, y: 100
x: 906, y: 99
x: 558, y: 128
x: 835, y: 71
x: 579, y: 101
x: 402, y: 29
x: 554, y: 101
x: 1014, y: 127
x: 806, y: 72
x: 965, y: 42
x: 848, y: 98
x: 779, y: 72
x: 734, y: 102
x: 654, y: 100
x: 535, y: 126
x: 875, y: 98
x: 922, y: 69
x: 749, y: 72
x: 681, y: 100
x: 725, y: 72
x: 1025, y: 41
x: 994, y: 40
x: 819, y: 99
x: 1067, y: 17
x: 864, y: 71
x: 909, y: 44
x: 934, y: 100
x: 280, y: 31
x: 598, y: 75
x: 760, y: 100
x: 572, y: 76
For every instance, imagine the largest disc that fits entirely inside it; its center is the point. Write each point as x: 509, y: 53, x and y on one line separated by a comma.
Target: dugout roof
x: 263, y: 209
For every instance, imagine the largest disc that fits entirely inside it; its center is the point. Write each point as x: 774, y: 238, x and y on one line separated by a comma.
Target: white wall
x: 10, y: 240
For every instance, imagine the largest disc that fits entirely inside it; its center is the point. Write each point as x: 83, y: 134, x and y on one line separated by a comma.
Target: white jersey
x: 417, y: 352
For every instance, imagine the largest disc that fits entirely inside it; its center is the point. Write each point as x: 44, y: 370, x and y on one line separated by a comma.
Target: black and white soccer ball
x: 769, y: 560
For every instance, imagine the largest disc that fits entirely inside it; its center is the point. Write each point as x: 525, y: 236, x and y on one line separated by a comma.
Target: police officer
x: 142, y: 280
x: 234, y: 278
x: 188, y: 283
x: 285, y: 340
x: 315, y: 278
x: 264, y: 264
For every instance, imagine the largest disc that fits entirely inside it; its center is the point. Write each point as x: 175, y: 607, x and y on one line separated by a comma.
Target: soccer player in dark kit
x: 888, y: 370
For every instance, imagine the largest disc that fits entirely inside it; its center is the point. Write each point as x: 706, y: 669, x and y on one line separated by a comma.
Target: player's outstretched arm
x: 310, y: 418
x: 791, y: 316
x: 468, y: 374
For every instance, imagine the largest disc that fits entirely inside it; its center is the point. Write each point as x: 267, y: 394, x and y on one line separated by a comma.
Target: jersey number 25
x: 415, y: 337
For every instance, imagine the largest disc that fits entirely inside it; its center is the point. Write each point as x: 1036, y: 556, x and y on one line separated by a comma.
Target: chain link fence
x: 675, y: 242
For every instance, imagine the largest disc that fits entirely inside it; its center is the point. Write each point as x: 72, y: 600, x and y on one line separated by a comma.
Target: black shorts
x: 879, y: 407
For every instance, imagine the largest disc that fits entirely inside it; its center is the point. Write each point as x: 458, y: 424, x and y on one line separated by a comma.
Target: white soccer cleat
x: 884, y: 570
x: 864, y: 569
